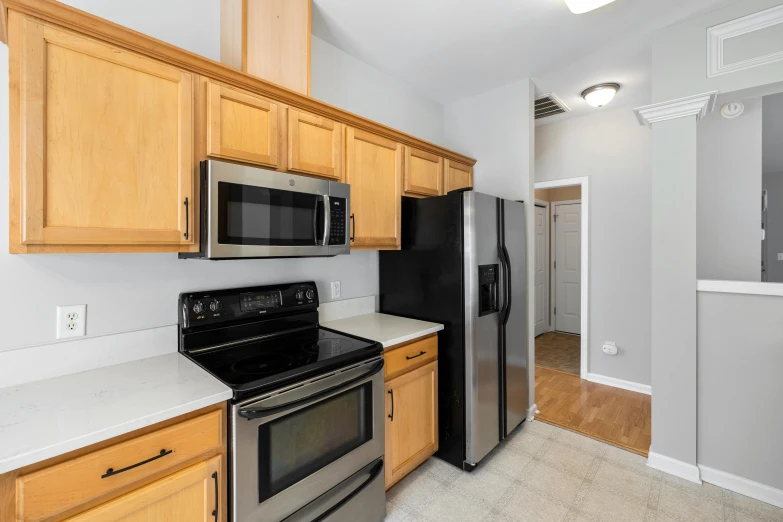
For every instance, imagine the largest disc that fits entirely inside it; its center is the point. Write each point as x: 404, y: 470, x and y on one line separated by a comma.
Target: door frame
x: 546, y: 205
x: 583, y: 182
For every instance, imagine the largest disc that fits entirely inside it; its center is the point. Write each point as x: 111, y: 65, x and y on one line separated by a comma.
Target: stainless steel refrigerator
x: 462, y: 263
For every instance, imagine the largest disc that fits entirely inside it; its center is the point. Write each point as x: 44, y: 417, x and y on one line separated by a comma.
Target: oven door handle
x: 261, y: 412
x: 374, y: 472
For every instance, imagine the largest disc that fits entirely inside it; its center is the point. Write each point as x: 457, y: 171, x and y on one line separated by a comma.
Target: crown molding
x: 718, y: 34
x: 697, y: 105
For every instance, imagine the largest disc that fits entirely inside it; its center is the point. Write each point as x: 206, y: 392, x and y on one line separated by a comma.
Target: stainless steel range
x: 307, y: 425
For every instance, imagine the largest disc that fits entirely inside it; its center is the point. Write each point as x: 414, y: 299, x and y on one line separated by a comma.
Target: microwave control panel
x: 337, y: 229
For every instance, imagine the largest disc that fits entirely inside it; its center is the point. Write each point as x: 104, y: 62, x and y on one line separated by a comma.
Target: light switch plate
x: 335, y: 289
x: 780, y: 257
x: 71, y: 321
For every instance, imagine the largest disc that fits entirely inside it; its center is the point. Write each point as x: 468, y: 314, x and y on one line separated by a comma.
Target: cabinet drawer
x: 409, y: 356
x: 51, y: 491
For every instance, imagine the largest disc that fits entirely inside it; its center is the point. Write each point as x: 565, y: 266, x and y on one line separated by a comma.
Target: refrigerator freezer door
x: 482, y: 391
x: 516, y: 327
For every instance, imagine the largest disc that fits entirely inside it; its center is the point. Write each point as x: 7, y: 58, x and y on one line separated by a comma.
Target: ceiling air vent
x: 549, y: 105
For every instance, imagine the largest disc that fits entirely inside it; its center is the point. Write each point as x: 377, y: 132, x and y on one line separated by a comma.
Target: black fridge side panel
x: 424, y: 280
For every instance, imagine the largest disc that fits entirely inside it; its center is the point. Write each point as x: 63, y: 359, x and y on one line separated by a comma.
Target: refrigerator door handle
x: 506, y: 259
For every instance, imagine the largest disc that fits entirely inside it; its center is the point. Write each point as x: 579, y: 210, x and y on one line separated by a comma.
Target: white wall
x: 729, y: 195
x: 133, y: 292
x: 773, y: 182
x: 614, y: 151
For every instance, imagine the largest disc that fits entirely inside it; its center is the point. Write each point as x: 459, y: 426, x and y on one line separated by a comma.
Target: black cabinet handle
x: 391, y: 415
x: 187, y: 218
x: 110, y: 472
x: 353, y: 227
x: 217, y: 496
x: 409, y: 357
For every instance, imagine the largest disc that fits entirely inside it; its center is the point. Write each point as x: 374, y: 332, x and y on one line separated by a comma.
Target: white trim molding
x: 584, y: 329
x: 740, y: 287
x: 697, y: 105
x: 531, y: 412
x: 743, y: 486
x: 678, y: 468
x: 619, y: 383
x: 718, y: 34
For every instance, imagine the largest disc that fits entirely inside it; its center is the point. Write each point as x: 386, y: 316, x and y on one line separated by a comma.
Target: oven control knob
x: 299, y: 295
x: 198, y: 308
x: 215, y: 306
x: 310, y: 294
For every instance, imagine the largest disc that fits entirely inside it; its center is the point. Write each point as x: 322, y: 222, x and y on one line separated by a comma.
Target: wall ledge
x: 678, y: 468
x: 697, y: 105
x: 743, y: 486
x: 740, y: 287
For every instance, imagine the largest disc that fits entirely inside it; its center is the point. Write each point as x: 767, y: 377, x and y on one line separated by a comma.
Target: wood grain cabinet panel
x: 188, y: 495
x: 400, y: 359
x: 423, y: 173
x: 374, y: 171
x: 101, y: 142
x: 315, y: 145
x: 242, y: 126
x: 411, y: 421
x: 457, y: 176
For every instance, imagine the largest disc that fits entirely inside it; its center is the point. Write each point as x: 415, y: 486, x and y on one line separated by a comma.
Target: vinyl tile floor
x: 545, y: 473
x: 559, y: 351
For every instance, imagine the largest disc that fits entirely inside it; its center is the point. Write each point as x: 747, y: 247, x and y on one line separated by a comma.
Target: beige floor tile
x: 688, y: 506
x: 507, y: 461
x: 579, y: 442
x: 450, y: 504
x: 441, y: 469
x: 756, y: 508
x: 627, y: 459
x: 395, y: 512
x: 413, y: 490
x: 542, y: 429
x: 704, y: 489
x: 483, y: 484
x: 605, y: 505
x: 553, y: 483
x: 623, y: 481
x: 527, y: 442
x: 568, y: 458
x: 528, y: 506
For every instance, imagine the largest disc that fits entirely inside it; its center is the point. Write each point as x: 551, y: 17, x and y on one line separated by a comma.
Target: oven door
x: 253, y: 212
x: 293, y: 446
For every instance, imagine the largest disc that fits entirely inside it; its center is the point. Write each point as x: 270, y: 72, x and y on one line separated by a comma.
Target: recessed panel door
x: 568, y: 268
x: 542, y: 269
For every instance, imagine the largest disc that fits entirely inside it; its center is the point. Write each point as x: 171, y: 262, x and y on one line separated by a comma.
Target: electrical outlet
x: 335, y: 289
x: 71, y: 321
x: 610, y: 348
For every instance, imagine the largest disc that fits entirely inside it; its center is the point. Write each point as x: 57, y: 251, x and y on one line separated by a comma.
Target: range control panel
x: 218, y: 306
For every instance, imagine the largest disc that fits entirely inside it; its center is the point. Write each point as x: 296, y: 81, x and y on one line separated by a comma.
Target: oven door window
x: 294, y: 446
x: 250, y: 215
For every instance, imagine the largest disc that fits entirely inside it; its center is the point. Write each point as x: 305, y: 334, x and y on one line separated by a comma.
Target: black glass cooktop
x: 281, y: 360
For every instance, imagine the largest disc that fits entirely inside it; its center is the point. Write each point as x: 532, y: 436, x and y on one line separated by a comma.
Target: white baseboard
x: 531, y: 412
x: 619, y: 383
x: 742, y: 486
x: 674, y: 467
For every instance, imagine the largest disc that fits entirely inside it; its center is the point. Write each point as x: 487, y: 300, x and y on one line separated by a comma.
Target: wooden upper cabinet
x: 242, y: 126
x: 101, y: 143
x: 457, y: 176
x: 191, y: 494
x: 315, y: 145
x: 423, y: 173
x: 374, y: 171
x: 411, y: 421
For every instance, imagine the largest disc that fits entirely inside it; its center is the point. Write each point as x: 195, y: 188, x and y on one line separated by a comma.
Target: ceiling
x: 453, y: 49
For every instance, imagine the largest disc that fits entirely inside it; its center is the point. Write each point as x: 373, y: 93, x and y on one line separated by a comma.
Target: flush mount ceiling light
x: 601, y: 94
x: 583, y: 6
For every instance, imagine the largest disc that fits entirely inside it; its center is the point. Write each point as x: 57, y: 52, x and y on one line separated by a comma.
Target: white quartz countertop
x: 386, y: 329
x: 43, y: 419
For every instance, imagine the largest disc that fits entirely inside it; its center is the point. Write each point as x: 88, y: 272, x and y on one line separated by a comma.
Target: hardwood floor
x: 619, y: 417
x: 559, y: 351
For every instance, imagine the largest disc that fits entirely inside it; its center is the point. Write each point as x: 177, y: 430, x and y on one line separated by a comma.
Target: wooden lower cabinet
x: 411, y: 421
x: 188, y: 495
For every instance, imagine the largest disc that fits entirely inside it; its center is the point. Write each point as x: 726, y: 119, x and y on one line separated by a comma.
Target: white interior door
x: 542, y: 270
x: 567, y: 267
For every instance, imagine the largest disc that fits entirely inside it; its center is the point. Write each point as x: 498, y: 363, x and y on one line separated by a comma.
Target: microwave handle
x: 327, y: 220
x: 324, y: 238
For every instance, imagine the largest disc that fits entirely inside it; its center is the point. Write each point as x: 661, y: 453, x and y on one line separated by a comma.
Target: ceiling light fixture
x: 601, y: 94
x: 583, y: 6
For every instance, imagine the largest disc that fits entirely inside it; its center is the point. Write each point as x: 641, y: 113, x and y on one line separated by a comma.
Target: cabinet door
x: 411, y: 421
x: 102, y: 143
x: 458, y: 176
x: 242, y: 126
x: 374, y: 171
x: 188, y: 495
x: 314, y: 145
x: 423, y: 173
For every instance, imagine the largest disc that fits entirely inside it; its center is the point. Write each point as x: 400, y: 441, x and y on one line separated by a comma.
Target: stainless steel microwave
x: 250, y: 212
